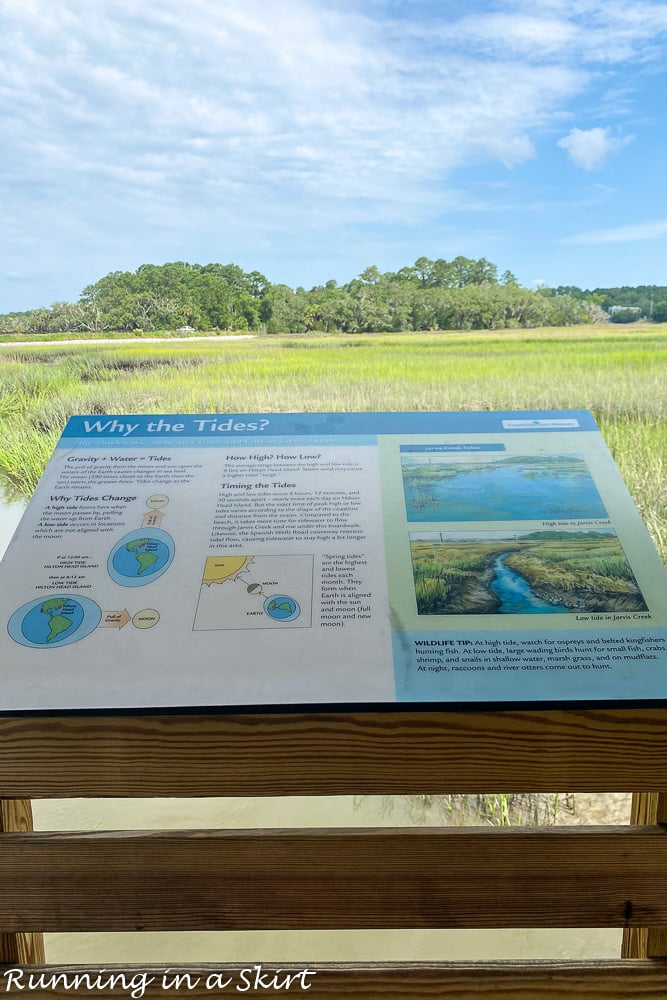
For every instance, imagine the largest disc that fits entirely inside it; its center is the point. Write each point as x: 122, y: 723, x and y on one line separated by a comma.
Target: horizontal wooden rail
x: 330, y: 754
x: 326, y: 879
x: 629, y: 980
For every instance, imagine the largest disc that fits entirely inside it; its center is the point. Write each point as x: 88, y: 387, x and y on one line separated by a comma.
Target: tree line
x: 461, y: 294
x: 629, y: 302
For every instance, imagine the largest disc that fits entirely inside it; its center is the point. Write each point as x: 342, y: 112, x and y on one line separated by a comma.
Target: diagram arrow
x: 152, y: 519
x: 115, y: 619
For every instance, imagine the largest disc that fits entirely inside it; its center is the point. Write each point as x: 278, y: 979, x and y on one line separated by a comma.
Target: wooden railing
x: 346, y: 878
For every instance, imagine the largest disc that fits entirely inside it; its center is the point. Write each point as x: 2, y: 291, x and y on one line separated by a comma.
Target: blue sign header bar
x: 260, y: 425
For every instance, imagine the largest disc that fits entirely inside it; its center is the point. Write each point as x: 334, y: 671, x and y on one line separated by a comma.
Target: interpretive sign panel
x: 333, y: 559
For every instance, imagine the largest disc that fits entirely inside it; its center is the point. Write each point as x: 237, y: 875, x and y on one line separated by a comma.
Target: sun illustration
x: 219, y: 569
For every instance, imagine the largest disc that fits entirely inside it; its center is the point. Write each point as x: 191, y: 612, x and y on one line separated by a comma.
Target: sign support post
x: 18, y: 948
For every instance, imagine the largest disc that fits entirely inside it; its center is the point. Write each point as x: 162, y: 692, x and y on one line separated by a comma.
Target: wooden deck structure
x: 341, y: 878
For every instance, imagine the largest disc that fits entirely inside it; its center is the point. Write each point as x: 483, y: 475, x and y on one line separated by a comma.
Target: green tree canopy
x: 462, y: 293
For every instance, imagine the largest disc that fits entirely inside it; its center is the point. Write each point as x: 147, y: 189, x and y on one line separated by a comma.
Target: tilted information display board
x: 230, y: 562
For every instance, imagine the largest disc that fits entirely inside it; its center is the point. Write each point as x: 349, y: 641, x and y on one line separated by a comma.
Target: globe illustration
x: 282, y: 608
x: 140, y: 557
x: 54, y: 621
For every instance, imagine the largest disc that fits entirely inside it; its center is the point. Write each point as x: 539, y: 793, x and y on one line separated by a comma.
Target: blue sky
x: 310, y: 139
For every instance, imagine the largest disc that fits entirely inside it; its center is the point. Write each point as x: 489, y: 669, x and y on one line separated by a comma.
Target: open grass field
x: 619, y: 374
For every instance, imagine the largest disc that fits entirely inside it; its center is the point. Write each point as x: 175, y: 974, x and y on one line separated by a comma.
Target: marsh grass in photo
x: 523, y: 572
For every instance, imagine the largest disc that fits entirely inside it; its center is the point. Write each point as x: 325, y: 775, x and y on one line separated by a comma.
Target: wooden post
x: 18, y: 949
x: 648, y: 808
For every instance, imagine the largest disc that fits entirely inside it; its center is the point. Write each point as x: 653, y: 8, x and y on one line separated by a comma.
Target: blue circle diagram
x: 141, y: 557
x: 282, y: 608
x: 54, y: 621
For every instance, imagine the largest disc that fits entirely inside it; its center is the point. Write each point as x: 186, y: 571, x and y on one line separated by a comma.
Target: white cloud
x: 651, y: 230
x: 589, y: 31
x: 514, y: 33
x: 589, y: 148
x: 297, y: 97
x: 340, y: 105
x: 247, y: 123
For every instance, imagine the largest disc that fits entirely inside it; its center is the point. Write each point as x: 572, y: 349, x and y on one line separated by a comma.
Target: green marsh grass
x: 619, y: 375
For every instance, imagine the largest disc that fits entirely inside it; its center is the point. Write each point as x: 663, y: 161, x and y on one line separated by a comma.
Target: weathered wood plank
x: 330, y: 754
x: 629, y: 980
x: 326, y: 879
x: 25, y: 949
x: 15, y: 815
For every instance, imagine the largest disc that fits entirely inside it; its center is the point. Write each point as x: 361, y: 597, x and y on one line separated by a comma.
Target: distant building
x: 629, y: 309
